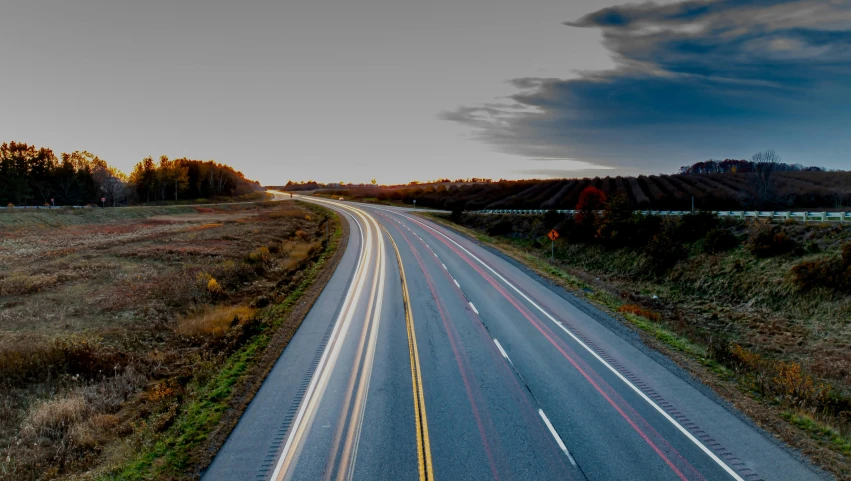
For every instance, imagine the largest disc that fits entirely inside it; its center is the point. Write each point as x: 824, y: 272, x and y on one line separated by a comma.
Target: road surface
x: 429, y: 357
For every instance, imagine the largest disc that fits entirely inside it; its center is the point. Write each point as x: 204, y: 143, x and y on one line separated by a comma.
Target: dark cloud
x: 693, y: 80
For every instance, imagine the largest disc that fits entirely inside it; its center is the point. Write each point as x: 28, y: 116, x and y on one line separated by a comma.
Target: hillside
x: 720, y: 191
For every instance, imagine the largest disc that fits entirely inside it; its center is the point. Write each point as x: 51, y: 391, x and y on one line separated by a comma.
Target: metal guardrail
x: 51, y: 207
x: 735, y: 214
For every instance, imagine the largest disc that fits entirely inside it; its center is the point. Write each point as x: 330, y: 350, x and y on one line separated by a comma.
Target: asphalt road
x: 458, y: 365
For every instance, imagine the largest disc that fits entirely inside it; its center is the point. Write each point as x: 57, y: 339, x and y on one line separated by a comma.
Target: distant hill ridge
x: 809, y: 189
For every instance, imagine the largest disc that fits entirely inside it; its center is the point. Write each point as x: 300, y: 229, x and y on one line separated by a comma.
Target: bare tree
x: 765, y: 163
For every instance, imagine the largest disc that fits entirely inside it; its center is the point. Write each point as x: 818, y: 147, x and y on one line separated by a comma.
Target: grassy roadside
x: 767, y: 386
x: 178, y: 452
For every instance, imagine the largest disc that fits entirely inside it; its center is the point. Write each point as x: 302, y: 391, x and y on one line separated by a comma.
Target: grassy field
x: 126, y: 333
x: 744, y: 324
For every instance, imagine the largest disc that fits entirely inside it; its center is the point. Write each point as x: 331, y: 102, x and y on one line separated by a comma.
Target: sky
x: 400, y: 90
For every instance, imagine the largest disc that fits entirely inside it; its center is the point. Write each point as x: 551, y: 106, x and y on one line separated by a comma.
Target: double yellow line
x: 423, y: 444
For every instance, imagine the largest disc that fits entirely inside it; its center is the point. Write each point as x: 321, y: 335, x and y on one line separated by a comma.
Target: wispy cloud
x: 693, y: 79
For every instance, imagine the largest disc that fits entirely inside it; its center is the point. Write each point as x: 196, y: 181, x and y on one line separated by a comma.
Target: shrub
x: 20, y: 283
x: 591, y: 199
x: 663, y: 250
x: 35, y: 361
x: 617, y: 226
x: 94, y: 431
x: 830, y: 273
x: 54, y: 417
x: 214, y: 288
x: 767, y: 240
x: 719, y: 240
x: 259, y: 255
x: 109, y: 393
x: 214, y: 321
x: 786, y: 380
x: 620, y: 226
x: 719, y: 349
x: 692, y: 227
x: 640, y: 311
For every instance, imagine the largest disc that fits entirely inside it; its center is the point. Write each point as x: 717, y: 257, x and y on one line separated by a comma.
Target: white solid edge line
x: 555, y: 435
x: 501, y: 350
x: 661, y: 411
x: 474, y: 308
x: 456, y: 283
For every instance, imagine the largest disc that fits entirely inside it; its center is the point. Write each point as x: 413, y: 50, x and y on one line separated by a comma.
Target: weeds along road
x: 428, y: 357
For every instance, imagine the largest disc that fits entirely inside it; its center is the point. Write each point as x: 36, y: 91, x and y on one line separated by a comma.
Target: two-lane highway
x: 429, y: 357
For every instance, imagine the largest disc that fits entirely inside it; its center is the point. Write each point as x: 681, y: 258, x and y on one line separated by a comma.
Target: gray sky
x: 343, y: 90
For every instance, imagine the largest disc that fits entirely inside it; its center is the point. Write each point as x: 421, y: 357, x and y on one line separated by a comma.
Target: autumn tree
x: 179, y: 174
x: 591, y: 200
x: 144, y: 179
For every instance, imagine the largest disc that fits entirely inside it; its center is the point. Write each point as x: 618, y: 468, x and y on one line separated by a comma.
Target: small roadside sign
x: 553, y: 235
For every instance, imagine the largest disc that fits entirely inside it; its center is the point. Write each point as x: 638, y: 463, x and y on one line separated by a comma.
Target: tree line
x: 732, y: 166
x: 31, y: 175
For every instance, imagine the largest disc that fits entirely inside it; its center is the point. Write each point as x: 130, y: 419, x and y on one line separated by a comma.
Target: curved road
x: 428, y: 357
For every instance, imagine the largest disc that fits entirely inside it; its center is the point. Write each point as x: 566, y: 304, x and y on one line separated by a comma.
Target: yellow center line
x: 426, y: 470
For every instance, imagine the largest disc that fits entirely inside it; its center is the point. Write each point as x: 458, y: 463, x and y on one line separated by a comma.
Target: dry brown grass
x: 287, y: 214
x: 640, y: 311
x: 53, y: 417
x: 93, y: 432
x: 19, y: 283
x: 98, y: 311
x: 214, y: 321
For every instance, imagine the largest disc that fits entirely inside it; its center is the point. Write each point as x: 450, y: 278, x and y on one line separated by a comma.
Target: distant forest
x: 714, y: 185
x: 32, y: 175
